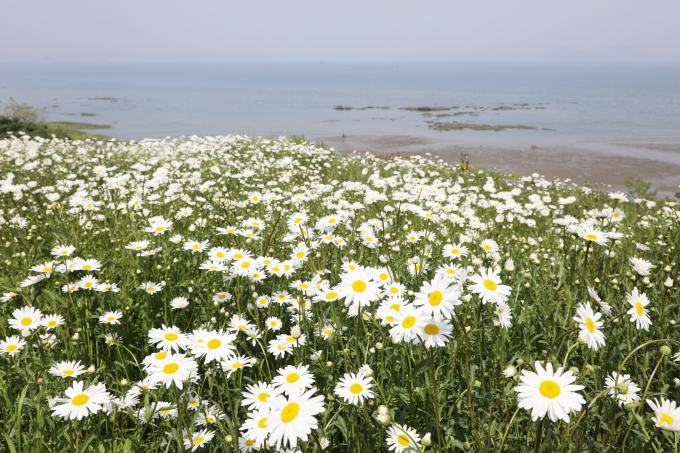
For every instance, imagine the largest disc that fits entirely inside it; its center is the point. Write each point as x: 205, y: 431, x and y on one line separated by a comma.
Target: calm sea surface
x: 573, y: 103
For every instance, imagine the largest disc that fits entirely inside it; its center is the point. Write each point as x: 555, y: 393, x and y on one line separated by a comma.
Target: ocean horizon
x: 616, y: 112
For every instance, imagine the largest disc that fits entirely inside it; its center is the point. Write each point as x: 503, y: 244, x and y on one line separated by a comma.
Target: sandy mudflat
x: 609, y: 163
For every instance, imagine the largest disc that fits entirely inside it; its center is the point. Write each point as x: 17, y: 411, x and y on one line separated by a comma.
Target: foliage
x: 639, y: 188
x: 22, y: 112
x: 100, y: 196
x: 12, y: 126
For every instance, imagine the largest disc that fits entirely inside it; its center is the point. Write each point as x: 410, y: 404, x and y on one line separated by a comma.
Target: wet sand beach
x: 608, y: 163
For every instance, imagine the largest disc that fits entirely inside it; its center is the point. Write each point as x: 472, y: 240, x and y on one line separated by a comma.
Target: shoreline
x: 608, y: 163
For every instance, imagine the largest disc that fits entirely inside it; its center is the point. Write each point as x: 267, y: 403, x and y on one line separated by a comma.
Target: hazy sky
x: 323, y: 30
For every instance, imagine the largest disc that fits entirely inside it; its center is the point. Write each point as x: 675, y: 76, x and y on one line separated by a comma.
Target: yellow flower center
x: 408, y: 322
x: 237, y: 365
x: 590, y: 325
x: 159, y: 228
x: 262, y: 423
x: 450, y: 271
x: 263, y: 397
x: 49, y: 269
x: 666, y: 418
x: 26, y: 321
x: 435, y: 298
x: 79, y: 400
x: 403, y: 440
x: 250, y: 442
x: 359, y: 286
x: 292, y: 377
x: 219, y: 255
x: 638, y: 307
x: 68, y: 372
x: 12, y: 348
x: 487, y: 247
x: 490, y: 285
x: 86, y: 267
x: 198, y: 440
x: 431, y: 329
x: 356, y: 388
x: 591, y: 237
x: 455, y: 251
x: 550, y: 389
x: 214, y: 344
x: 171, y: 336
x: 331, y: 296
x: 300, y: 254
x: 161, y: 355
x: 289, y: 412
x: 245, y: 265
x: 238, y: 256
x: 170, y: 368
x: 111, y: 318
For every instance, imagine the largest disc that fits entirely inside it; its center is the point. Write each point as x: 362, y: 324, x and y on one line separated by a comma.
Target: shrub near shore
x: 237, y: 293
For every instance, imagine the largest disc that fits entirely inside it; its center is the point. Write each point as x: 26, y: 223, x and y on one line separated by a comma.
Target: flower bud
x: 665, y: 350
x: 668, y: 283
x: 575, y: 371
x: 509, y: 265
x: 91, y: 369
x: 426, y: 440
x: 382, y: 410
x: 229, y: 439
x: 378, y: 346
x: 383, y: 418
x: 124, y: 382
x: 632, y: 406
x: 296, y: 332
x: 25, y: 333
x: 329, y: 364
x: 622, y: 388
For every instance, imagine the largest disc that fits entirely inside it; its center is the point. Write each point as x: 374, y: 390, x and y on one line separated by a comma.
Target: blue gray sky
x: 320, y: 30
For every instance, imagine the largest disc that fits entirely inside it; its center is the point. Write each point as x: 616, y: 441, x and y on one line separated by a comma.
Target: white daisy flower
x: 549, y: 392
